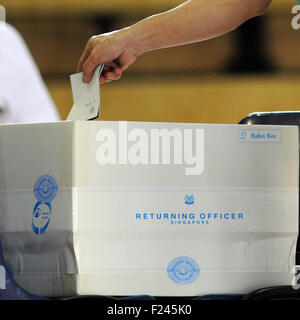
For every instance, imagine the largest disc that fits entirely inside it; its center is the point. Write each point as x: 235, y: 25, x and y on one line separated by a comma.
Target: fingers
x: 102, y: 80
x: 89, y: 66
x: 86, y: 53
x: 111, y: 72
x: 83, y: 59
x: 108, y: 78
x: 93, y: 56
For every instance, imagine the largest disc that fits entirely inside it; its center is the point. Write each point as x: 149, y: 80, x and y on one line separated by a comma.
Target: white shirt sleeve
x: 23, y: 94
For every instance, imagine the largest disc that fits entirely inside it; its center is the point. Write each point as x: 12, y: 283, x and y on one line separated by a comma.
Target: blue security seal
x: 183, y: 270
x: 41, y: 217
x: 45, y: 188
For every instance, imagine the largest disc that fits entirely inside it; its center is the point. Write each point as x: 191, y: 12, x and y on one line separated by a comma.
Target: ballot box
x: 162, y: 209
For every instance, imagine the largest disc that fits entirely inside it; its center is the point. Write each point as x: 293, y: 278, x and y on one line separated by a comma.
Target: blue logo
x: 41, y: 217
x: 183, y: 270
x: 45, y: 190
x: 243, y: 135
x: 189, y: 199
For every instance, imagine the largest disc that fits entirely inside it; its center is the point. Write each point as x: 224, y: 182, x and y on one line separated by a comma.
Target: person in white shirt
x: 23, y: 94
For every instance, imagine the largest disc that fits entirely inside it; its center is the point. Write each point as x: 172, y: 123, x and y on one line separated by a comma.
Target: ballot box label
x: 259, y: 136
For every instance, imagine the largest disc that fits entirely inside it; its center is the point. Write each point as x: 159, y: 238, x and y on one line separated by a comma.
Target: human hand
x: 112, y: 49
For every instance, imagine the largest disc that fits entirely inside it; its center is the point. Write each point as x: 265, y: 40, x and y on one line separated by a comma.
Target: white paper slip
x: 86, y: 96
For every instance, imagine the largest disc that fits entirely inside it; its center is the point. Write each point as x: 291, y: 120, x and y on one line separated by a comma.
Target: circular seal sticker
x: 45, y: 188
x: 183, y: 270
x: 41, y: 217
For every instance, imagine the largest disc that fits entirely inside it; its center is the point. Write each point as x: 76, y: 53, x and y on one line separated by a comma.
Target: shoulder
x: 10, y: 37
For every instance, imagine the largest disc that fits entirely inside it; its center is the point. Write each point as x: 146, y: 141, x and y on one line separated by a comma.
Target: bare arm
x: 193, y: 21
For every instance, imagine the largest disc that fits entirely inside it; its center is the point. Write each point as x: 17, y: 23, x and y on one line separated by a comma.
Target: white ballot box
x: 134, y: 208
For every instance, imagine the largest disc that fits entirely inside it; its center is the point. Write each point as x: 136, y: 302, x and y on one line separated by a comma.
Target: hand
x: 112, y: 49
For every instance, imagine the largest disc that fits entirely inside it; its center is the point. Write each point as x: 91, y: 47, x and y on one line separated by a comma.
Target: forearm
x: 193, y: 21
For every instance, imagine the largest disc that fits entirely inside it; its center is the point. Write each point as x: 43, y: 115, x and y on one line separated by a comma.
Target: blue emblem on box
x: 183, y: 270
x: 45, y: 190
x: 41, y: 217
x: 189, y: 199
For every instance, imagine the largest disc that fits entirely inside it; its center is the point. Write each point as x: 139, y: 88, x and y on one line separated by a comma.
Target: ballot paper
x: 86, y: 96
